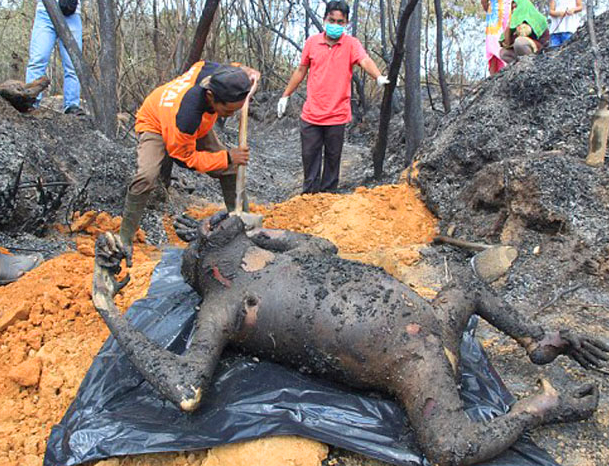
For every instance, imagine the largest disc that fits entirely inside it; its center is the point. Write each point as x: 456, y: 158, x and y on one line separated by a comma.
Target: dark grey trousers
x: 314, y: 138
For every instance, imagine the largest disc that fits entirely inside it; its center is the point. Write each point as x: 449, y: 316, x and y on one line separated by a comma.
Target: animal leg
x: 284, y: 241
x: 445, y: 433
x: 180, y: 378
x: 453, y: 310
x: 542, y: 346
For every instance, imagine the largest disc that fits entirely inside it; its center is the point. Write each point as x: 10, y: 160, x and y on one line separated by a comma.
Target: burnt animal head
x: 214, y: 250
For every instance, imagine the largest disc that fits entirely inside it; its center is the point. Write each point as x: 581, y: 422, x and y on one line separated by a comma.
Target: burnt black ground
x: 508, y: 166
x: 60, y: 148
x: 57, y: 148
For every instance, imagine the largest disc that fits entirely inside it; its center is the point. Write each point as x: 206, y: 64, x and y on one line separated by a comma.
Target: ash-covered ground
x: 508, y: 167
x: 56, y: 165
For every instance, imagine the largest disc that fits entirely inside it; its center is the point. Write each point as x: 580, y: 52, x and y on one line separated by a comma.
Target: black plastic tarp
x: 117, y: 413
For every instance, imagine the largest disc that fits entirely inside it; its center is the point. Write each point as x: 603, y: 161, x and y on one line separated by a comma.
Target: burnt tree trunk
x: 156, y: 43
x: 100, y: 96
x: 597, y: 141
x: 108, y: 83
x: 425, y: 58
x: 380, y: 146
x: 439, y: 57
x: 383, y: 26
x: 594, y: 46
x: 414, y: 127
x: 198, y: 43
x: 358, y: 106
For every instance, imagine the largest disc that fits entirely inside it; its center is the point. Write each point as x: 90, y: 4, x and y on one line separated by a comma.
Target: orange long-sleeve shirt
x: 179, y: 112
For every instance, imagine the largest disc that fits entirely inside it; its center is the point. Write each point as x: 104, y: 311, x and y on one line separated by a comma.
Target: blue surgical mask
x: 334, y: 31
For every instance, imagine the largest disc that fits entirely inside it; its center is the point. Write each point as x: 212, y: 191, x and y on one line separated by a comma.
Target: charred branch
x: 461, y: 243
x: 380, y: 146
x: 23, y: 96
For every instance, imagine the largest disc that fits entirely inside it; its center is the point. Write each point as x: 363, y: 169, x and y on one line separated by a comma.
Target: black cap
x: 229, y: 84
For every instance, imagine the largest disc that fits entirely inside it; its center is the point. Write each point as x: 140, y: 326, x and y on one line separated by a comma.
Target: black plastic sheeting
x: 117, y: 413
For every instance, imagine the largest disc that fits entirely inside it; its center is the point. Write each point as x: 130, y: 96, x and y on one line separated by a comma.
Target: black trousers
x: 314, y: 138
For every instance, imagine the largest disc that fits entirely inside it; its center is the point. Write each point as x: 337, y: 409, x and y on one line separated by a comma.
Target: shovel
x: 251, y: 221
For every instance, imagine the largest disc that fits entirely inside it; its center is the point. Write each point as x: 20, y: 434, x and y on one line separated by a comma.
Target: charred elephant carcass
x: 288, y: 297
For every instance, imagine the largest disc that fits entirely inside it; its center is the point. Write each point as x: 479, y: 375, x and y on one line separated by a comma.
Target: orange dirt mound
x: 367, y: 220
x: 53, y: 329
x: 386, y: 217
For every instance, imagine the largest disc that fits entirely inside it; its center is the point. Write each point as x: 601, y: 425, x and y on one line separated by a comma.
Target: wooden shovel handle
x: 243, y: 145
x: 244, y: 113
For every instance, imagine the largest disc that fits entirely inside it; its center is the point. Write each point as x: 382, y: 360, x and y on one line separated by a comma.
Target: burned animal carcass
x: 288, y: 297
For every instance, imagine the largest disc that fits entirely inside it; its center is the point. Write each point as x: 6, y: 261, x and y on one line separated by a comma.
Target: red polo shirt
x: 329, y: 82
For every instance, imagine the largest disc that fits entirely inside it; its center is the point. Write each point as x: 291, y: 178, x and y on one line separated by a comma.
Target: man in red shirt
x: 328, y: 58
x: 175, y: 125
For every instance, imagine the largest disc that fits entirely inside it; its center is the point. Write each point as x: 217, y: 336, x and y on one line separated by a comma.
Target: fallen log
x: 23, y: 96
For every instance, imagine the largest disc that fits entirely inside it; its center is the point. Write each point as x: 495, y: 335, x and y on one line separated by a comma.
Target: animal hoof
x: 553, y: 407
x: 110, y: 251
x: 191, y: 399
x: 579, y: 405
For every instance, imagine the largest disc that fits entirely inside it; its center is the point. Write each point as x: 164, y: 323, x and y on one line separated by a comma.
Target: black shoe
x: 74, y: 110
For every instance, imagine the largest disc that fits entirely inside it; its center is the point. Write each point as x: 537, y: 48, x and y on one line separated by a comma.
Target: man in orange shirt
x: 328, y: 58
x: 175, y: 124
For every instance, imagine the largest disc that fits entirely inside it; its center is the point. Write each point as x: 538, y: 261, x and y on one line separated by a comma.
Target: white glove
x: 282, y: 105
x: 382, y: 81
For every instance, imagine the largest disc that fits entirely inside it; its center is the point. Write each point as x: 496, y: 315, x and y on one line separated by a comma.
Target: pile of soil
x: 49, y: 334
x: 48, y: 342
x: 394, y: 217
x: 522, y: 133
